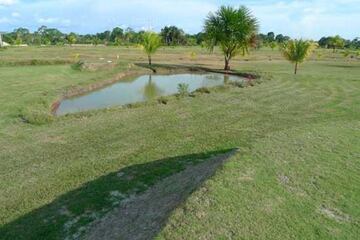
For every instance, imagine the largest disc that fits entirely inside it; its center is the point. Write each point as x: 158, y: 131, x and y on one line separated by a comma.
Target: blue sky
x: 296, y: 18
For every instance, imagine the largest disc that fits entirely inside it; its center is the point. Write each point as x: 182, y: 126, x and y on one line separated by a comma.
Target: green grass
x: 296, y: 175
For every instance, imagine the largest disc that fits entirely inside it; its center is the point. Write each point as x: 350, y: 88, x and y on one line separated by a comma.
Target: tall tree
x: 270, y: 37
x: 232, y: 29
x: 172, y: 35
x: 355, y: 43
x: 129, y: 35
x: 281, y: 38
x: 151, y: 42
x: 324, y: 42
x: 336, y: 42
x: 104, y: 36
x: 117, y: 33
x: 296, y: 51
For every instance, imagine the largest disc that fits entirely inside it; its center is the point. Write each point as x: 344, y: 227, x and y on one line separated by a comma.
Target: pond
x: 140, y: 89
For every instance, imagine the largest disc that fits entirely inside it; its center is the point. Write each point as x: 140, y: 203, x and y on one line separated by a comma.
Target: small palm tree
x: 273, y: 45
x: 336, y: 42
x: 296, y: 51
x: 151, y: 43
x: 71, y: 38
x: 232, y: 29
x: 96, y: 41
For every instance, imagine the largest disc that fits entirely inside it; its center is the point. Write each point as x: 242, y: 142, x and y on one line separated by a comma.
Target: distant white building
x: 3, y: 44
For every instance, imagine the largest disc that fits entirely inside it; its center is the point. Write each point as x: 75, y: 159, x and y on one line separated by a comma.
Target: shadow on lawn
x: 133, y: 203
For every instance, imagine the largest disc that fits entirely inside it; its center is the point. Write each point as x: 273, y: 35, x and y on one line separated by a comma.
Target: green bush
x: 251, y: 83
x: 183, y: 89
x: 78, y: 66
x: 240, y: 84
x: 163, y: 100
x: 36, y: 116
x: 265, y: 76
x: 135, y: 105
x: 203, y: 90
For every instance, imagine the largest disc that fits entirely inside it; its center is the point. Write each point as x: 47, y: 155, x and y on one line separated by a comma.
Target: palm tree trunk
x: 227, y: 64
x: 296, y: 68
x: 149, y: 58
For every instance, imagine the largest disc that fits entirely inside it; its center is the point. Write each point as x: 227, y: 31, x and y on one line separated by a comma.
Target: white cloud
x: 7, y: 2
x: 52, y: 20
x: 4, y: 20
x: 15, y: 14
x: 47, y: 20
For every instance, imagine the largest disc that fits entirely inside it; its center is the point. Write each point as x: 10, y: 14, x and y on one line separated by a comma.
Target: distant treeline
x: 171, y: 36
x: 118, y: 36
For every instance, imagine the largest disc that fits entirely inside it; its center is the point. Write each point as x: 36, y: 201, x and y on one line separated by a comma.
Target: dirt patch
x: 283, y: 179
x: 143, y: 216
x: 335, y: 214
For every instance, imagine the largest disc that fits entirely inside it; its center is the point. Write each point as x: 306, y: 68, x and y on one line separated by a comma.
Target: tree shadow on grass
x: 133, y: 203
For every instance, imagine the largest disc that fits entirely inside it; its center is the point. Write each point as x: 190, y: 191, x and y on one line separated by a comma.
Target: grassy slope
x: 299, y: 138
x: 299, y: 178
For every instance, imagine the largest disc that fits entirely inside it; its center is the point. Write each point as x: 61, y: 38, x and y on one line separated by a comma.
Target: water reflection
x: 226, y: 78
x: 151, y: 91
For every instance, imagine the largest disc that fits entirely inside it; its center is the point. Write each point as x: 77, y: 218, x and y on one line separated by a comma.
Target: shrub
x: 78, y: 66
x: 35, y: 62
x: 163, y: 100
x: 240, y: 84
x: 193, y: 56
x: 258, y: 80
x: 265, y: 76
x: 36, y: 116
x: 203, y: 90
x: 251, y: 82
x: 346, y: 53
x: 183, y: 89
x: 135, y: 105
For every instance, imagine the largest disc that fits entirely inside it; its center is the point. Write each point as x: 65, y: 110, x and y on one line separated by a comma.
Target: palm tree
x: 296, y: 51
x: 71, y: 38
x: 273, y: 45
x: 151, y: 42
x: 232, y: 29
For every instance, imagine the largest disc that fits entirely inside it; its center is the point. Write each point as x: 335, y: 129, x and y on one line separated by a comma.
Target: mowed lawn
x: 296, y: 175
